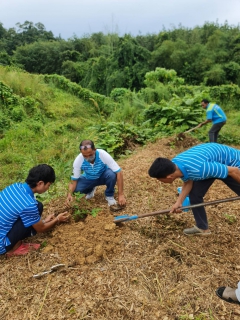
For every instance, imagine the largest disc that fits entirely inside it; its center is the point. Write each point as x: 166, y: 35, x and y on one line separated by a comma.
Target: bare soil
x: 142, y: 269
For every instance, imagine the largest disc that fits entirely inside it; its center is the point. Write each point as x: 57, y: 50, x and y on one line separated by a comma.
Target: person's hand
x: 234, y: 173
x: 63, y: 217
x: 69, y: 199
x: 49, y: 218
x: 176, y: 206
x: 121, y: 200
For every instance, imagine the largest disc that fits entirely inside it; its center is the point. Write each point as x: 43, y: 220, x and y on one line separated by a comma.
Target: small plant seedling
x: 172, y: 145
x: 230, y: 218
x: 81, y: 212
x: 94, y: 212
x: 79, y: 196
x: 44, y: 244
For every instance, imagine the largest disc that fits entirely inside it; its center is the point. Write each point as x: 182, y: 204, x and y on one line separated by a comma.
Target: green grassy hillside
x: 44, y: 117
x: 39, y: 124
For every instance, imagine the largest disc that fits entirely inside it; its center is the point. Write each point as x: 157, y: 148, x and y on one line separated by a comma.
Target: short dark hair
x: 161, y: 168
x: 85, y: 142
x: 41, y: 172
x: 205, y: 101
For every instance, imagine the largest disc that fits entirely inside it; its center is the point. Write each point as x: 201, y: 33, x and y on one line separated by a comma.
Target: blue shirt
x: 208, y: 160
x: 92, y: 171
x: 215, y: 113
x: 16, y: 201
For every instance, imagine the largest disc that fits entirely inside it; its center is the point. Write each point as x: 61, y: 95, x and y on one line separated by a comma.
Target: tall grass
x: 50, y: 135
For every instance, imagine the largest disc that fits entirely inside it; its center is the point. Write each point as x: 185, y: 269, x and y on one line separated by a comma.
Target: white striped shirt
x: 16, y: 200
x: 102, y: 161
x: 208, y: 160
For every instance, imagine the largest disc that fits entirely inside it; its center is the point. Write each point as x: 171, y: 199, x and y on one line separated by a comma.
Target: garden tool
x: 194, y: 128
x: 52, y: 269
x: 134, y: 217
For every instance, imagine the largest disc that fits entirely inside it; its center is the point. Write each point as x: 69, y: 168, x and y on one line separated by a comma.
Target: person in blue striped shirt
x: 198, y: 167
x: 98, y: 168
x: 216, y: 115
x: 20, y: 212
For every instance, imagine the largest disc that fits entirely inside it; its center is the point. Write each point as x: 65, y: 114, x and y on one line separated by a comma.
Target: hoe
x: 126, y: 217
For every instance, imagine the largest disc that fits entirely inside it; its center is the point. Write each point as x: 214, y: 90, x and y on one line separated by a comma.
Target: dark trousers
x: 213, y: 132
x: 197, y: 193
x: 19, y: 232
x: 108, y: 178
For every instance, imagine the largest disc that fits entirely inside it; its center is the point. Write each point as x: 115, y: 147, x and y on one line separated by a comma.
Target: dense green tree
x: 101, y: 62
x: 25, y: 33
x: 42, y: 57
x: 232, y: 71
x: 215, y: 76
x: 132, y: 60
x: 83, y: 46
x: 161, y: 57
x: 5, y: 59
x: 74, y: 71
x: 3, y: 31
x: 29, y: 32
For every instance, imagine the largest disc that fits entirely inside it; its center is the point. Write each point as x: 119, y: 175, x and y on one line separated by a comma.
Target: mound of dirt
x: 183, y: 140
x: 89, y: 241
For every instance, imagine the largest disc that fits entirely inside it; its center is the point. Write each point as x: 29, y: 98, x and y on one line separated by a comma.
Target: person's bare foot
x: 17, y: 245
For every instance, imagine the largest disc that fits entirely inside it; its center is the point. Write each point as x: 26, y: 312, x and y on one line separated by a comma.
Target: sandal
x: 116, y: 207
x: 23, y: 249
x: 227, y: 294
x: 195, y: 231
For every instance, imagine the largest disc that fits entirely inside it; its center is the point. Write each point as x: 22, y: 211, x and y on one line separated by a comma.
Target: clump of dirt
x: 89, y: 240
x: 183, y: 140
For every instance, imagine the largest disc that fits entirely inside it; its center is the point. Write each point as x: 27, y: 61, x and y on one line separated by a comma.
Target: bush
x: 118, y: 138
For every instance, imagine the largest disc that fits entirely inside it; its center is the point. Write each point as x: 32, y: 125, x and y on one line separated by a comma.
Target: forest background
x: 118, y: 91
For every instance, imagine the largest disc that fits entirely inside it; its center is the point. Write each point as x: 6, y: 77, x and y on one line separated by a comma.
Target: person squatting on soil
x: 20, y: 212
x: 99, y: 168
x: 215, y: 115
x: 198, y: 167
x: 228, y: 294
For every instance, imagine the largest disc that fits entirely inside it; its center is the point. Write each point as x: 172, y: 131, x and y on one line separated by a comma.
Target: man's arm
x: 203, y: 123
x: 234, y: 172
x: 186, y: 188
x: 50, y: 221
x: 71, y: 188
x: 121, y: 197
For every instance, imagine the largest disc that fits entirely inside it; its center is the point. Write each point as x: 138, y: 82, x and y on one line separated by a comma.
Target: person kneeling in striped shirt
x: 20, y: 212
x: 198, y: 167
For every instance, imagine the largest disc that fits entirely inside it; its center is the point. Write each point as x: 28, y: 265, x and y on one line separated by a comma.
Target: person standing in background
x: 215, y: 115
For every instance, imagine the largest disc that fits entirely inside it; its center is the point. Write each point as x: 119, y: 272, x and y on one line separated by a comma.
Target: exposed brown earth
x: 144, y: 269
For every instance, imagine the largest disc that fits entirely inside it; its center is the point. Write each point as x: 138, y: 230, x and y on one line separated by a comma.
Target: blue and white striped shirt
x: 208, y: 160
x: 102, y: 161
x: 16, y: 200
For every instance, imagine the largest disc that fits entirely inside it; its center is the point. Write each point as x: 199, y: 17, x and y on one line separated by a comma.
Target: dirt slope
x: 144, y: 269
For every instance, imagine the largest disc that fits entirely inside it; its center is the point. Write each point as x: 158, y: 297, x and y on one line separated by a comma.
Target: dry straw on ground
x: 144, y: 269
